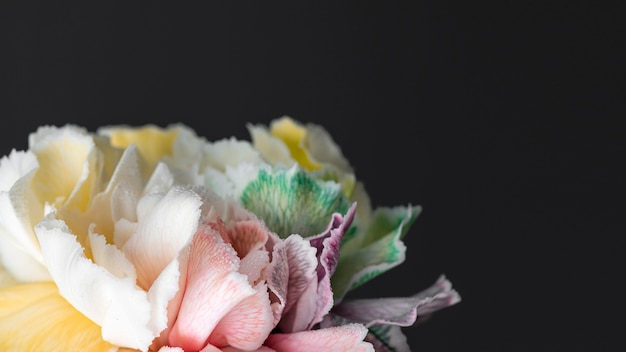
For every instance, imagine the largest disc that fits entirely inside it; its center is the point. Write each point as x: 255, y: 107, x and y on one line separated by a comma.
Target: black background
x: 501, y: 119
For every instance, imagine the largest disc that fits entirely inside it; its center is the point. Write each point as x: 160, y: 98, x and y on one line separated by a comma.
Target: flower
x: 150, y: 238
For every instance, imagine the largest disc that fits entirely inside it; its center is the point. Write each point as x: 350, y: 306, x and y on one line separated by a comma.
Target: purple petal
x: 328, y: 244
x: 387, y: 338
x: 399, y: 311
x: 301, y: 297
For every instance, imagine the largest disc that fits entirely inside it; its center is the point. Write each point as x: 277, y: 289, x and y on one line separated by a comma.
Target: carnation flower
x: 155, y: 239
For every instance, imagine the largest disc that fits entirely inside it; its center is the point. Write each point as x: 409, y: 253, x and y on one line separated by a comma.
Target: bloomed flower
x: 154, y: 238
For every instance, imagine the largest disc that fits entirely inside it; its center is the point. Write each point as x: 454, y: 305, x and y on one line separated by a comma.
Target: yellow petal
x: 34, y: 317
x: 293, y: 135
x: 152, y: 141
x: 70, y: 152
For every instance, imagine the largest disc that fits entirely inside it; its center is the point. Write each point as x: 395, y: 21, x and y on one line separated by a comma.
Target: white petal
x: 322, y: 148
x: 118, y: 200
x: 229, y: 152
x: 162, y: 291
x: 14, y: 167
x: 160, y: 181
x: 19, y: 248
x: 164, y: 228
x: 242, y: 174
x: 272, y: 149
x: 218, y: 182
x: 110, y: 257
x: 116, y: 304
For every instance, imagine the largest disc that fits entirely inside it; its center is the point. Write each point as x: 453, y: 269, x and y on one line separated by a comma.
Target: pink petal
x: 277, y: 279
x: 247, y: 325
x: 260, y: 349
x: 248, y: 238
x: 336, y: 339
x: 213, y: 288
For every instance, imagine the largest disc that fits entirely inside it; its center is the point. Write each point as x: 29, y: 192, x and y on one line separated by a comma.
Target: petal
x: 19, y: 248
x: 388, y: 338
x: 335, y: 339
x: 213, y: 288
x: 71, y: 152
x: 118, y: 200
x: 376, y: 250
x: 229, y: 152
x: 291, y: 201
x: 248, y: 238
x: 15, y: 166
x: 153, y: 142
x: 164, y: 297
x: 6, y: 279
x: 164, y: 228
x: 272, y: 148
x: 277, y: 279
x: 248, y: 324
x: 110, y: 258
x: 301, y: 300
x: 34, y: 317
x: 293, y: 134
x: 323, y: 149
x: 399, y: 311
x: 116, y: 304
x: 328, y: 245
x: 19, y: 210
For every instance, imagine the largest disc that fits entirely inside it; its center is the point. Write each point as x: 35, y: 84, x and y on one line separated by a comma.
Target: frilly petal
x: 343, y: 338
x: 328, y: 245
x: 72, y: 152
x: 116, y: 304
x: 229, y: 152
x: 300, y: 307
x: 152, y: 142
x: 15, y: 166
x: 272, y: 149
x: 399, y: 311
x: 373, y: 251
x: 323, y: 149
x: 165, y: 226
x: 19, y: 211
x: 388, y: 338
x: 19, y: 248
x: 291, y: 201
x: 213, y: 289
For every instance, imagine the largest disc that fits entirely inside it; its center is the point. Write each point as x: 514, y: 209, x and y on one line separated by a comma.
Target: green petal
x: 293, y: 201
x: 374, y: 249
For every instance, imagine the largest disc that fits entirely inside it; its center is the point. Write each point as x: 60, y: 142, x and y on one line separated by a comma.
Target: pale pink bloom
x: 242, y: 288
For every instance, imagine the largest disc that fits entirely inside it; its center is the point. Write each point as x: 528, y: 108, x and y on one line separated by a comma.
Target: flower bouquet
x: 155, y: 239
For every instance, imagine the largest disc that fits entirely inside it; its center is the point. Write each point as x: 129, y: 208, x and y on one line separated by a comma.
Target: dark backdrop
x: 500, y: 119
